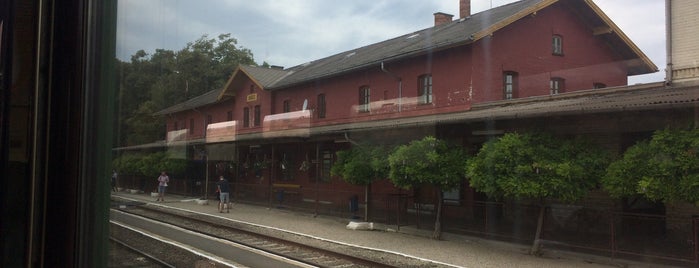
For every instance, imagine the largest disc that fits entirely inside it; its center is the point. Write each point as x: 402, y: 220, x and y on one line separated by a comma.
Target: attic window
x: 252, y: 88
x: 350, y: 54
x: 413, y: 36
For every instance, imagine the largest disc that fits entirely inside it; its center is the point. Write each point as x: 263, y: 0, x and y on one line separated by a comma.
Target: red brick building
x: 561, y: 66
x: 517, y: 51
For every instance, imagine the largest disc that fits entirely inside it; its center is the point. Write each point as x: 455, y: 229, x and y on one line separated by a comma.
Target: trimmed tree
x: 362, y: 165
x: 537, y: 167
x: 428, y: 161
x: 665, y: 168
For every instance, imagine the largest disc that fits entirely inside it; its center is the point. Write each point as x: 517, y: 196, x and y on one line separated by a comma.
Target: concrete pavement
x: 452, y: 250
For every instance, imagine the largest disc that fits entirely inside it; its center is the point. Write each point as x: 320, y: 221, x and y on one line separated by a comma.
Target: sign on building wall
x: 251, y: 97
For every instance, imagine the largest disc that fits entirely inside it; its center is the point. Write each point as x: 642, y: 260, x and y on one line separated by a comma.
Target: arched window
x: 246, y: 117
x: 258, y: 116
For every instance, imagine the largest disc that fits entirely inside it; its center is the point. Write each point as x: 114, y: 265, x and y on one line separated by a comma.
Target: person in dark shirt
x: 224, y: 189
x: 114, y: 179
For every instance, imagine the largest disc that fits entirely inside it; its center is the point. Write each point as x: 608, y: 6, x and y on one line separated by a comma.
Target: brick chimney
x: 442, y: 18
x: 464, y: 8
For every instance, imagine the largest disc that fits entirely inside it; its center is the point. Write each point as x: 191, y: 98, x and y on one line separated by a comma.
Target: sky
x: 291, y: 32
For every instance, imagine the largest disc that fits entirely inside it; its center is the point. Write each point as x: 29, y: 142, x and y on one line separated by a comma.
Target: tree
x: 428, y: 161
x: 149, y: 164
x: 361, y: 165
x: 150, y: 83
x: 665, y: 168
x: 536, y: 166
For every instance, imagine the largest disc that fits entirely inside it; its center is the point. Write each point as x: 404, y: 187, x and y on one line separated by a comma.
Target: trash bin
x: 280, y: 195
x: 354, y: 204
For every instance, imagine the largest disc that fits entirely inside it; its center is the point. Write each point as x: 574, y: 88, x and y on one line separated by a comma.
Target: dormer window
x: 557, y: 45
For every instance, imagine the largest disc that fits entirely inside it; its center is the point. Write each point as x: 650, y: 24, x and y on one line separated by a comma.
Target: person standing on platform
x: 163, y: 179
x: 224, y: 189
x: 114, y: 179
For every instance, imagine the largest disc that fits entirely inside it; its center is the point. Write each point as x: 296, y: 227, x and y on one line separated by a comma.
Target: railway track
x: 124, y: 255
x: 302, y: 250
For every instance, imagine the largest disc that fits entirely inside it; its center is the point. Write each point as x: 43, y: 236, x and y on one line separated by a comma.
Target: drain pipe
x: 350, y: 140
x: 668, y: 42
x: 400, y: 86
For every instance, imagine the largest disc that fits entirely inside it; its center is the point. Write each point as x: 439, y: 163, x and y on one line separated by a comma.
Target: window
x: 252, y: 88
x: 175, y: 126
x: 364, y: 98
x: 229, y: 116
x: 327, y: 161
x: 246, y: 117
x: 321, y: 105
x: 557, y: 45
x: 286, y: 107
x: 598, y: 85
x: 509, y: 85
x: 209, y: 120
x: 257, y: 116
x: 424, y: 89
x: 557, y: 85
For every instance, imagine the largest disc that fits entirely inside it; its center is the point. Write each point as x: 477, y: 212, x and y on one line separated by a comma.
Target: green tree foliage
x: 428, y: 161
x: 666, y: 168
x: 149, y: 164
x: 361, y: 165
x: 536, y: 166
x: 150, y: 83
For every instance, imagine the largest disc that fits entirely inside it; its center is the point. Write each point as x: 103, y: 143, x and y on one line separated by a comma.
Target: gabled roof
x: 260, y: 76
x: 458, y: 32
x: 207, y: 98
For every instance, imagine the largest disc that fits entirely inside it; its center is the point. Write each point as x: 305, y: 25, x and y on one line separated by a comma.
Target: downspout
x: 668, y: 42
x: 350, y: 140
x: 400, y: 86
x: 206, y: 160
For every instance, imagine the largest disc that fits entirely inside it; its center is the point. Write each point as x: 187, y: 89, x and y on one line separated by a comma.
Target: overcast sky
x: 291, y: 32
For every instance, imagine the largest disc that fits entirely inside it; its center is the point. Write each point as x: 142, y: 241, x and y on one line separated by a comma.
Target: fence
x: 568, y: 227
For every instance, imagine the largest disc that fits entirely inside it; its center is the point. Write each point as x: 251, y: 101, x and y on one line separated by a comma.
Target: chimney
x: 442, y: 18
x: 464, y: 8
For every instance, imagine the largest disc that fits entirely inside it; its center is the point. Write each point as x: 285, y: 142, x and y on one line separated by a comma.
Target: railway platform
x: 451, y: 251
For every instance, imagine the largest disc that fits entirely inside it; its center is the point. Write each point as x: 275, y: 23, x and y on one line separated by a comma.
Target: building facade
x: 281, y: 127
x: 558, y: 66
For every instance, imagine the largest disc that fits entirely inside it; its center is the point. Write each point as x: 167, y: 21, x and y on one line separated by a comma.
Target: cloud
x: 292, y: 32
